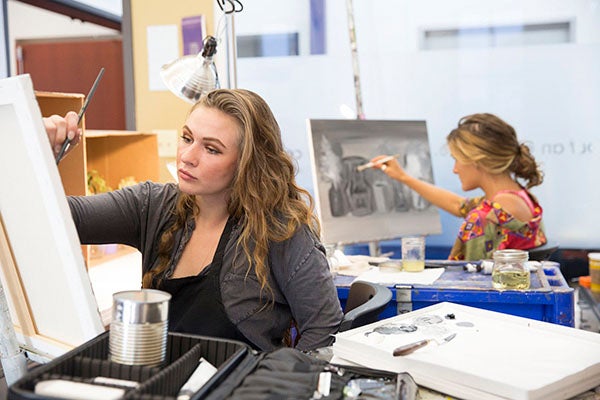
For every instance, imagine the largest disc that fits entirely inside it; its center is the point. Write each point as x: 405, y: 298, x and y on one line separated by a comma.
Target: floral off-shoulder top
x: 487, y: 227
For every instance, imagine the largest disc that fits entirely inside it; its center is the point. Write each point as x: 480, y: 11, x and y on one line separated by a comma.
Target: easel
x: 374, y: 249
x: 50, y: 306
x: 12, y: 357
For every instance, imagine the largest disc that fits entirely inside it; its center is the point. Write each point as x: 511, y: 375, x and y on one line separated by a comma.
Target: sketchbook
x: 492, y: 355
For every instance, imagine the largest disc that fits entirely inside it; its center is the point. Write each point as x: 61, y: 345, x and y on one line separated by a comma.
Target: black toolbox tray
x: 236, y: 363
x: 91, y: 360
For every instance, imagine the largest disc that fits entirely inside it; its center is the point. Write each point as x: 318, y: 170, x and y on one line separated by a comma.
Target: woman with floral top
x: 488, y: 156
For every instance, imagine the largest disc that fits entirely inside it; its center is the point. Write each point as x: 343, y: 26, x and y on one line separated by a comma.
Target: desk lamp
x: 190, y: 77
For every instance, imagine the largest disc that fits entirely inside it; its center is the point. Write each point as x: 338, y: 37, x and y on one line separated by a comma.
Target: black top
x: 196, y: 305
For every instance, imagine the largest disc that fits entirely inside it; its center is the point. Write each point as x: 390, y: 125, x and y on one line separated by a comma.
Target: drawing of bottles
x: 332, y: 171
x: 401, y: 203
x: 383, y: 193
x: 339, y: 205
x: 360, y: 191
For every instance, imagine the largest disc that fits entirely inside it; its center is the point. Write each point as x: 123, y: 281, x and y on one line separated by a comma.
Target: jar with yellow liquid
x: 594, y: 264
x: 413, y: 253
x: 510, y: 271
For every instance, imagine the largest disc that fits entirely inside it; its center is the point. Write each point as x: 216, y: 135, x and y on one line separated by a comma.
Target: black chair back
x: 366, y: 301
x: 543, y: 252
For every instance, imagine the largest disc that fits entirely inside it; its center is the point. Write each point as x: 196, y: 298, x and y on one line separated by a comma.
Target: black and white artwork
x: 366, y: 205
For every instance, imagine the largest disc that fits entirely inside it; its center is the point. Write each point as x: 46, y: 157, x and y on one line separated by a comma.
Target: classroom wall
x: 160, y: 109
x: 549, y: 93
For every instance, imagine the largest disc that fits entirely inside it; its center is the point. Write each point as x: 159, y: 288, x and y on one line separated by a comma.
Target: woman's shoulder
x: 471, y: 204
x: 298, y: 248
x: 159, y: 187
x: 153, y: 189
x: 148, y: 196
x: 303, y: 236
x: 518, y: 203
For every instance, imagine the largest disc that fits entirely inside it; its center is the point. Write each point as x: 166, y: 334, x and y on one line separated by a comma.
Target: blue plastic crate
x: 548, y: 299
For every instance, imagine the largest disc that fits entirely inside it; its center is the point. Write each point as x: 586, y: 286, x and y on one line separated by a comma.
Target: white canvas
x: 51, y: 299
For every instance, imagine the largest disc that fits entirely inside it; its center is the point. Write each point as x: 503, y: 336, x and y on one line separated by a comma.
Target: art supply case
x: 242, y: 372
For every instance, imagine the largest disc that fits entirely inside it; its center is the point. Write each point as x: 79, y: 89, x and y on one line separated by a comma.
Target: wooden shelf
x: 115, y: 155
x: 120, y: 154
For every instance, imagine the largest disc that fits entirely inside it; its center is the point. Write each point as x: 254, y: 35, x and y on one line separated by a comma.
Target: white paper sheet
x: 163, y: 47
x: 426, y: 277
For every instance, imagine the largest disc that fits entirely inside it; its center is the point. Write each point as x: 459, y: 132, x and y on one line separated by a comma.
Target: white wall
x: 261, y: 17
x: 549, y: 93
x: 303, y: 87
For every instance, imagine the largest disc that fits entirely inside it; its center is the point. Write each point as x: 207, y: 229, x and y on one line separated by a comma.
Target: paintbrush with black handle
x: 67, y: 141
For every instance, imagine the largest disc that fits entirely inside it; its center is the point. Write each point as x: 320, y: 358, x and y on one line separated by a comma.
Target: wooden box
x: 120, y: 154
x: 115, y: 155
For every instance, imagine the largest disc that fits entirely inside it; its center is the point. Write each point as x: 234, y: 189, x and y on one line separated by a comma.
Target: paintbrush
x: 409, y: 348
x: 67, y: 141
x: 372, y: 164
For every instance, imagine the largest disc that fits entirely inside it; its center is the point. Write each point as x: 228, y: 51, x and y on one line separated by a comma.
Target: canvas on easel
x: 50, y: 296
x: 366, y: 205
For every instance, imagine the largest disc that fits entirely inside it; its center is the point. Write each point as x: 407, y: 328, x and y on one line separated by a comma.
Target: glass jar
x: 510, y: 271
x: 413, y: 253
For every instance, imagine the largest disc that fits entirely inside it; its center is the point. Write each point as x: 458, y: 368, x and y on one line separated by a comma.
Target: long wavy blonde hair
x: 265, y: 198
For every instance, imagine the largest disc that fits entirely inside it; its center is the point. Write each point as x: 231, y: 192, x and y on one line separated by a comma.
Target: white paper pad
x: 493, y: 356
x: 426, y: 277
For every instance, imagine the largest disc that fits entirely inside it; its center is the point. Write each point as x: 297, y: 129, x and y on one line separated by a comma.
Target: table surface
x: 456, y: 276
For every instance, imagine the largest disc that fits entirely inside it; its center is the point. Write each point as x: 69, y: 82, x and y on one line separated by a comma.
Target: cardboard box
x: 119, y: 154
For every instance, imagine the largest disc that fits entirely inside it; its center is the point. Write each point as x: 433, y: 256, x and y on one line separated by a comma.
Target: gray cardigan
x: 302, y: 285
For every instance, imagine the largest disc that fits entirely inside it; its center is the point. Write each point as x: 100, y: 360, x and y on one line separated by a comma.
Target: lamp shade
x: 190, y: 77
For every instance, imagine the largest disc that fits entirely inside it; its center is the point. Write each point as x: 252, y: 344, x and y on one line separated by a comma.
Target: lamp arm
x: 217, y: 83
